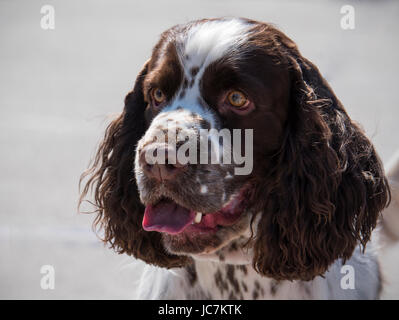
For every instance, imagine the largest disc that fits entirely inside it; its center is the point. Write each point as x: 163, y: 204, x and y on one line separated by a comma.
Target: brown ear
x: 111, y: 176
x: 326, y: 187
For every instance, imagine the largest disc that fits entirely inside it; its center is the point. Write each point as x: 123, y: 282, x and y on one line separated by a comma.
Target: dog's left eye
x: 237, y: 99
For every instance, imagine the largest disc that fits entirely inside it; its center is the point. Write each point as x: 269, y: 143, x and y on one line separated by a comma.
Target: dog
x: 291, y: 221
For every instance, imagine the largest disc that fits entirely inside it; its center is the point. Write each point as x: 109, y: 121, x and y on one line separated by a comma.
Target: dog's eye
x: 237, y: 99
x: 158, y: 95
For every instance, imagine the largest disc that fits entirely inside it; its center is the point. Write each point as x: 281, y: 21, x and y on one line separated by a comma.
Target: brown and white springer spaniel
x: 283, y: 230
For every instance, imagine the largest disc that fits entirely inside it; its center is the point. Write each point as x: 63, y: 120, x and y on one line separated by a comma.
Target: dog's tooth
x: 198, y: 217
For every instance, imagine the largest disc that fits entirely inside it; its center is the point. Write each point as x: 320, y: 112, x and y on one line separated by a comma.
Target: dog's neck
x: 235, y: 253
x: 238, y: 251
x: 228, y: 274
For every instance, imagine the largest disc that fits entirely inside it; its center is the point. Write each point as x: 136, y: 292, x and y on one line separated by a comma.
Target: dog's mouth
x: 169, y: 217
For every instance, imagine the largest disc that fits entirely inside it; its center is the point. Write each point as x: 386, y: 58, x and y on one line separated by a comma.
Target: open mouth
x: 169, y: 217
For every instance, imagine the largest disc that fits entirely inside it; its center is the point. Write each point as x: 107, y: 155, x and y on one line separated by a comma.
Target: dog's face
x: 229, y: 128
x: 209, y: 75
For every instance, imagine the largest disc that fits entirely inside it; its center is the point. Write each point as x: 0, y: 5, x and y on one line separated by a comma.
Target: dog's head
x: 228, y: 126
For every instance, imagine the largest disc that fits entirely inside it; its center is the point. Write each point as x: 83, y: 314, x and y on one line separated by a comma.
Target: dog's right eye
x: 158, y: 95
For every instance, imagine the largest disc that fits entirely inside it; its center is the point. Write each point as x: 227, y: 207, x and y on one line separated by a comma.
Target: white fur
x: 212, y: 40
x: 204, y: 189
x: 157, y: 283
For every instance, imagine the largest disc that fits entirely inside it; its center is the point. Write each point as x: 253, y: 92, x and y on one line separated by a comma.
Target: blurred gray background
x: 59, y: 88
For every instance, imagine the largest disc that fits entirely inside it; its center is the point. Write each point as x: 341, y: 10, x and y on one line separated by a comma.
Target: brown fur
x: 119, y: 210
x: 319, y: 195
x: 327, y: 184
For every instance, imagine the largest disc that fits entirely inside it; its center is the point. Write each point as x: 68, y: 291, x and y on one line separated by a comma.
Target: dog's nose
x: 166, y: 169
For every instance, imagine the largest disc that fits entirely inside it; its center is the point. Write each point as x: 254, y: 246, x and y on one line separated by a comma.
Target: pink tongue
x: 167, y: 216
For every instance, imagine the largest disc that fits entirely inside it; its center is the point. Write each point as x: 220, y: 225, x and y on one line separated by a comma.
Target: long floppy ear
x: 111, y: 176
x: 327, y: 185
